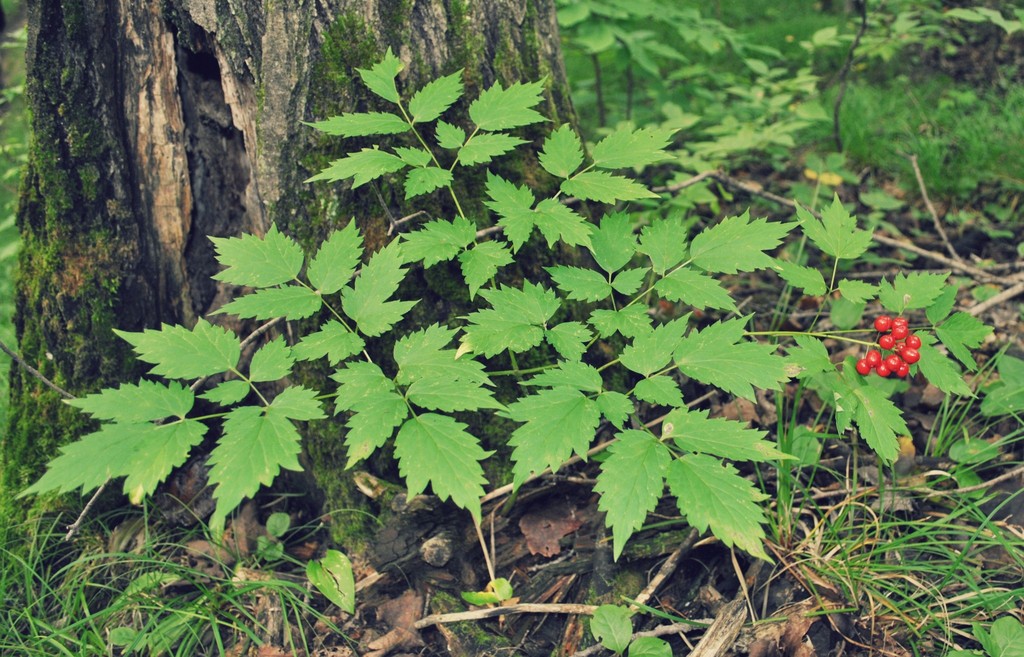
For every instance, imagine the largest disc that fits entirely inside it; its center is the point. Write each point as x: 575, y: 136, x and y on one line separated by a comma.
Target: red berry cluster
x: 901, y: 344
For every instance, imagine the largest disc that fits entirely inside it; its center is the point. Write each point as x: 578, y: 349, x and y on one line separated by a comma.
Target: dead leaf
x: 544, y: 528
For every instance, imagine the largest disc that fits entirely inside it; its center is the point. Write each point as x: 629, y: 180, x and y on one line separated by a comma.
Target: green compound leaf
x: 414, y: 157
x: 629, y: 281
x: 377, y: 408
x: 573, y: 374
x: 363, y: 124
x: 630, y: 321
x: 611, y: 626
x: 156, y: 452
x: 273, y: 361
x: 514, y: 206
x: 737, y: 244
x: 879, y: 421
x: 485, y: 147
x: 227, y: 392
x: 336, y: 260
x: 915, y: 290
x: 694, y: 432
x: 290, y: 302
x: 580, y: 284
x: 660, y: 390
x: 366, y: 301
x: 132, y: 403
x: 424, y: 354
x: 482, y: 262
x: 449, y: 136
x: 615, y: 407
x: 604, y: 187
x: 515, y: 320
x: 627, y: 148
x: 435, y: 97
x: 712, y: 494
x: 652, y: 351
x: 558, y: 422
x: 332, y: 340
x: 720, y: 356
x: 939, y: 309
x: 298, y: 403
x: 425, y: 180
x: 836, y: 233
x: 556, y: 221
x: 941, y: 371
x: 631, y: 481
x: 563, y: 153
x: 441, y: 394
x: 179, y: 353
x: 961, y: 333
x: 438, y: 241
x: 613, y: 242
x: 695, y: 289
x: 380, y: 79
x: 257, y: 443
x: 857, y: 291
x: 803, y: 278
x: 362, y: 167
x: 569, y: 339
x: 501, y: 109
x: 435, y: 449
x: 664, y: 242
x: 258, y: 262
x: 809, y: 356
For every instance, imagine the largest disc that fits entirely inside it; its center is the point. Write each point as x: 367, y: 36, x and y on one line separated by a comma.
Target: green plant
x: 612, y: 627
x: 1004, y: 639
x: 420, y: 394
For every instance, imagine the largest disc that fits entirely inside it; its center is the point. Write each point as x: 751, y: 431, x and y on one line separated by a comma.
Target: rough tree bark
x: 158, y: 124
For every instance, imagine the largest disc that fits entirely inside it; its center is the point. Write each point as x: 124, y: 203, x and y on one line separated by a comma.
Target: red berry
x: 886, y: 342
x: 863, y: 368
x: 883, y: 323
x: 899, y: 332
x: 893, y: 362
x: 911, y: 355
x: 883, y: 370
x: 913, y: 341
x: 903, y: 370
x: 873, y: 358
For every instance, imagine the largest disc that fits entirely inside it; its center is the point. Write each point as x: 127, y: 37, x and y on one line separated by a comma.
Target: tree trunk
x: 160, y: 124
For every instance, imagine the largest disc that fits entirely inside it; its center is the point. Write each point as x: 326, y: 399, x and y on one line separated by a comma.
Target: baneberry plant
x: 435, y: 371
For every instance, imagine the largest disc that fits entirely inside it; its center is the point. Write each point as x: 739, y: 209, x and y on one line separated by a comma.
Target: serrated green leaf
x: 359, y: 380
x: 942, y: 372
x: 485, y: 147
x: 480, y: 264
x: 803, y: 278
x: 694, y: 432
x: 556, y: 221
x: 660, y: 390
x: 579, y: 283
x: 628, y: 281
x: 227, y: 393
x: 258, y: 261
x: 712, y: 494
x: 439, y: 393
x: 836, y: 233
x: 611, y: 626
x: 425, y: 354
x: 414, y: 157
x: 879, y: 421
x: 664, y: 242
x: 737, y: 244
x: 630, y: 321
x: 380, y: 78
x: 562, y: 154
x: 377, y: 408
x: 332, y: 340
x: 961, y: 333
x: 719, y: 355
x: 515, y: 320
x: 132, y: 403
x: 179, y: 353
x: 1006, y: 396
x: 857, y: 291
x: 626, y: 148
x: 615, y: 407
x: 500, y: 109
x: 514, y: 206
x: 438, y: 241
x: 435, y: 97
x: 630, y: 483
x: 846, y: 314
x: 613, y: 242
x: 652, y: 351
x: 289, y: 301
x: 336, y: 260
x: 298, y: 403
x: 436, y: 450
x: 573, y: 374
x: 695, y: 289
x: 449, y: 136
x: 425, y: 180
x: 558, y: 422
x: 272, y: 361
x: 257, y: 444
x: 362, y: 167
x: 809, y: 356
x: 569, y: 339
x: 362, y: 124
x: 156, y: 453
x: 939, y: 309
x: 366, y: 301
x: 914, y: 290
x: 604, y: 187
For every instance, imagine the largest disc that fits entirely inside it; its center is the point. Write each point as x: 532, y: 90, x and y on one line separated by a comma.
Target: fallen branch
x: 492, y: 612
x: 931, y: 210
